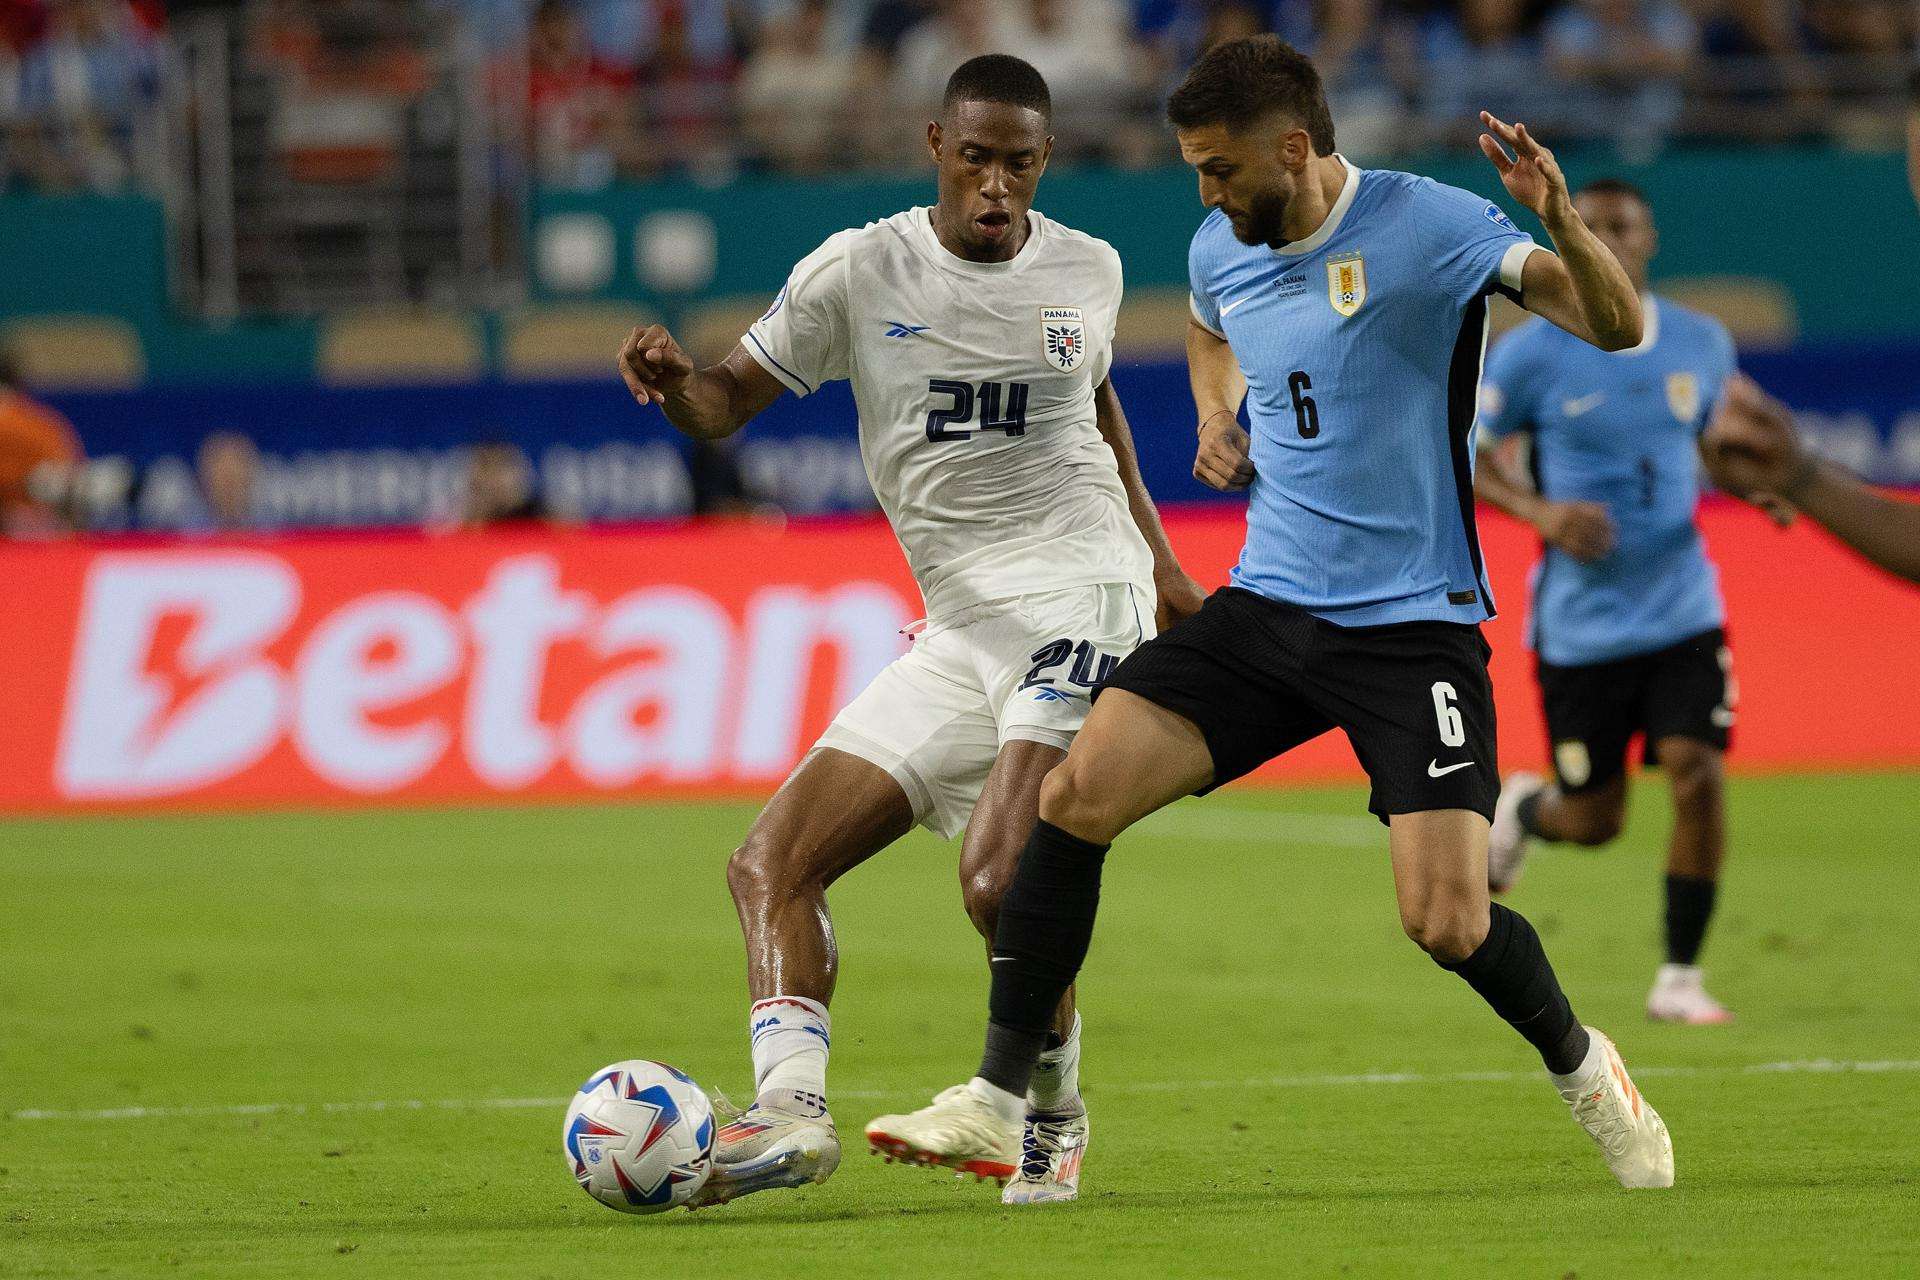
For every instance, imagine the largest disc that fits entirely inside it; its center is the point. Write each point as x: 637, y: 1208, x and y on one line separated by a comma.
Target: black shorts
x: 1593, y: 712
x: 1259, y: 678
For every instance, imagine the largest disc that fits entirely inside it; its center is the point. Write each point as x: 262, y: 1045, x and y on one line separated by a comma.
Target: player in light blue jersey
x: 1627, y: 624
x: 1348, y: 310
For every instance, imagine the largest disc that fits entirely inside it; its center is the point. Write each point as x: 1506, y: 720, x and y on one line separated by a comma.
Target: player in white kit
x: 977, y: 336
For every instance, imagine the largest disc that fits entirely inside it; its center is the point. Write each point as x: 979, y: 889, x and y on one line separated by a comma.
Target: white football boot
x: 1049, y: 1160
x: 1680, y: 995
x: 1507, y: 843
x: 960, y: 1130
x: 1629, y: 1131
x: 763, y: 1148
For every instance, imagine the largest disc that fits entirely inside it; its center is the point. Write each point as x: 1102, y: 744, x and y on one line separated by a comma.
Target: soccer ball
x: 639, y: 1137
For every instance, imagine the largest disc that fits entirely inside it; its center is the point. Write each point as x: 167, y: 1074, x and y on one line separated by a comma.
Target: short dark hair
x: 999, y: 77
x: 1237, y: 82
x: 1613, y: 187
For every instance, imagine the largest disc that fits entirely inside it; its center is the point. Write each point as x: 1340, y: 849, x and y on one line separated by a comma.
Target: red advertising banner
x: 404, y: 668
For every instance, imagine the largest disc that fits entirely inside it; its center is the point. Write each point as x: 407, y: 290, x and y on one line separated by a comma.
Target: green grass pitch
x: 1249, y: 990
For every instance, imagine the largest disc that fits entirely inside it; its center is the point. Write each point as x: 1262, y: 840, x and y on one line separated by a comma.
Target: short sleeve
x: 1722, y: 361
x: 1474, y: 247
x: 1115, y: 292
x: 1506, y: 392
x: 1200, y: 301
x: 803, y: 338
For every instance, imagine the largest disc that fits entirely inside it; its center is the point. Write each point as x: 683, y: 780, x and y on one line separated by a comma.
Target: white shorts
x: 1023, y: 668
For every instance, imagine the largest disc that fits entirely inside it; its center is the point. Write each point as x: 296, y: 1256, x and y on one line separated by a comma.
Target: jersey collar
x: 951, y: 261
x: 1341, y: 204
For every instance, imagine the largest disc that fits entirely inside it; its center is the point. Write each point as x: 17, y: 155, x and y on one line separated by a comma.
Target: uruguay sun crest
x: 1346, y: 282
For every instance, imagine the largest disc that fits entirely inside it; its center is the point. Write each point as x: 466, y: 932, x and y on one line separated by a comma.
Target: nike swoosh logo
x: 1233, y: 306
x: 1435, y: 771
x: 1585, y: 404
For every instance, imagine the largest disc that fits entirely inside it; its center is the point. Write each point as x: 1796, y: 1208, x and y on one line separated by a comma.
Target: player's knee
x: 1697, y: 781
x: 1449, y: 932
x: 981, y: 889
x: 1073, y: 799
x: 758, y: 869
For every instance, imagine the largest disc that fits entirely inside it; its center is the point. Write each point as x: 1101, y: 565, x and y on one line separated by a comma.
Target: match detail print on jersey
x: 1063, y: 332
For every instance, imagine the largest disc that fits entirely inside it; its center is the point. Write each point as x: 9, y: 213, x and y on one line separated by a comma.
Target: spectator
x: 686, y: 89
x: 961, y: 29
x: 36, y: 441
x: 83, y: 84
x: 577, y: 129
x: 1481, y: 57
x: 1625, y: 59
x: 500, y: 486
x: 795, y: 89
x: 1082, y: 49
x: 227, y: 467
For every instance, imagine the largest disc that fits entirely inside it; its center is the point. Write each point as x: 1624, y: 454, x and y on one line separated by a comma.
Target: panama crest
x: 1346, y: 282
x: 1063, y: 336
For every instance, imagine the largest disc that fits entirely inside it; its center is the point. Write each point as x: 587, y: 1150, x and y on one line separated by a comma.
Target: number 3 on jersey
x: 942, y: 420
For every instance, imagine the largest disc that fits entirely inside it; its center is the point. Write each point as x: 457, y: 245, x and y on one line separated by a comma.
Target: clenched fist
x: 1225, y: 461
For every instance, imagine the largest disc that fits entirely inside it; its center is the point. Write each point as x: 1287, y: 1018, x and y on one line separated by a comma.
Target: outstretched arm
x: 703, y: 403
x: 1583, y: 288
x: 1581, y: 529
x: 1752, y: 451
x: 1179, y: 595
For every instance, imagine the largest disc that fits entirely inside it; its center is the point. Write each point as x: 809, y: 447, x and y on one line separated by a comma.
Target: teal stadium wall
x: 1837, y: 230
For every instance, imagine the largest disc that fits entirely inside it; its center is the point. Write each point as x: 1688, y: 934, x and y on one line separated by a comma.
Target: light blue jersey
x: 1622, y: 429
x: 1361, y: 346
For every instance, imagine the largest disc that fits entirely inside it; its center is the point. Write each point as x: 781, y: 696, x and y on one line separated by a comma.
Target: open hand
x: 1531, y: 174
x: 653, y: 364
x: 1750, y: 445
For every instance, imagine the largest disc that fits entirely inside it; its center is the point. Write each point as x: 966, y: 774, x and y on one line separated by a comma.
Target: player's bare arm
x: 1582, y: 287
x: 703, y: 403
x: 1752, y: 451
x: 1178, y: 594
x: 1224, y: 458
x: 1581, y: 529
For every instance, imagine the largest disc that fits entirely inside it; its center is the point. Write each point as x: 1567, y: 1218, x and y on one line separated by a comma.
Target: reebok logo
x: 1435, y: 771
x: 895, y: 329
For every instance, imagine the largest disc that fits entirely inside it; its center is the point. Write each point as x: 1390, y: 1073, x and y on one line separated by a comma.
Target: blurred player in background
x: 1348, y: 308
x: 1627, y: 624
x: 977, y: 335
x: 1753, y: 452
x: 37, y: 444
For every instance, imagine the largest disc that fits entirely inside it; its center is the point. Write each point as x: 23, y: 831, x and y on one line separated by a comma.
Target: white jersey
x: 974, y: 383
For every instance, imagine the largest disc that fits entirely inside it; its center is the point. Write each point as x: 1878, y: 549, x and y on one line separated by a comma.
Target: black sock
x: 1511, y: 973
x: 1689, y: 907
x: 1528, y: 812
x: 1045, y: 927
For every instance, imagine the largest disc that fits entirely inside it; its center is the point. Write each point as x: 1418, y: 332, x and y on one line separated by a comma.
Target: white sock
x: 791, y: 1036
x: 1011, y: 1106
x: 1677, y: 975
x: 1055, y: 1087
x: 1582, y: 1078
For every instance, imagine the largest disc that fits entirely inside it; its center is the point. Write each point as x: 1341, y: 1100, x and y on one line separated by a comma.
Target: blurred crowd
x: 598, y: 89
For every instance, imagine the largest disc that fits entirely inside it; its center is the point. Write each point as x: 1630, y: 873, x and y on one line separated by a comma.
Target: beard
x: 1264, y: 218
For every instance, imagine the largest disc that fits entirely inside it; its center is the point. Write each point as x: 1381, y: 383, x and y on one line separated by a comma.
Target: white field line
x: 1812, y: 1066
